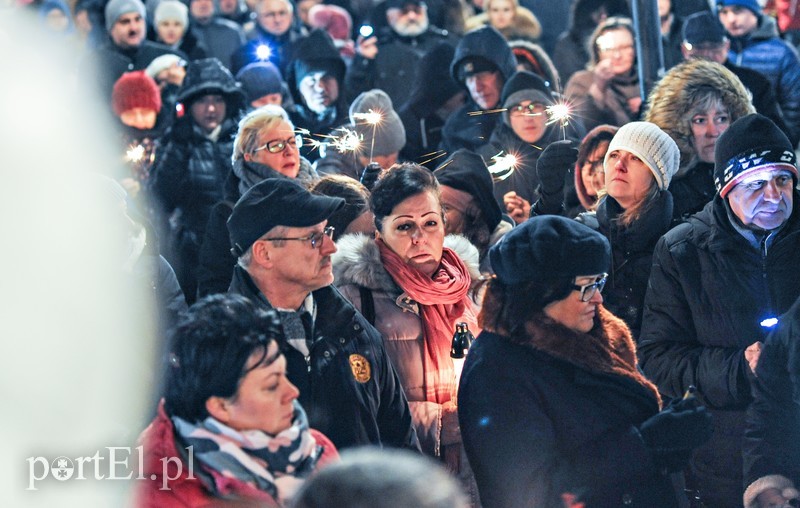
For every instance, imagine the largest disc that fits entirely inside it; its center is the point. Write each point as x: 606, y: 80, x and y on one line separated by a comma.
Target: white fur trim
x: 774, y: 481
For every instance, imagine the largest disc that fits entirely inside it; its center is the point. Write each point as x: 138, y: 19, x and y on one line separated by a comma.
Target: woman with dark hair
x: 469, y: 205
x: 230, y: 423
x: 355, y: 216
x: 553, y: 408
x: 608, y: 91
x: 415, y: 289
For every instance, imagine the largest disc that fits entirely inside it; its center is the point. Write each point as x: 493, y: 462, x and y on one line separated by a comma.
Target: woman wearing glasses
x: 553, y: 408
x: 266, y: 146
x: 414, y: 285
x: 524, y: 132
x: 608, y: 92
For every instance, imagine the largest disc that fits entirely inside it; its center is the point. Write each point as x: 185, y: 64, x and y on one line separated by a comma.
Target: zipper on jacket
x: 764, y: 252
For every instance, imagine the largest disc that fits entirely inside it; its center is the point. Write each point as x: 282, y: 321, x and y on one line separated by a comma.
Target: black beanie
x: 466, y: 171
x: 524, y: 86
x: 749, y: 144
x: 549, y: 247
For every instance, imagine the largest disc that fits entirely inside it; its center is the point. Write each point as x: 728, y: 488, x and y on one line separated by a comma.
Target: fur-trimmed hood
x: 607, y: 348
x: 358, y: 262
x: 670, y: 100
x: 536, y: 56
x: 526, y: 25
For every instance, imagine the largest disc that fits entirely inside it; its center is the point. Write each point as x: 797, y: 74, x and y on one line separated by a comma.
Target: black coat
x: 394, y: 68
x: 709, y: 290
x: 772, y: 438
x: 536, y: 426
x: 692, y: 191
x: 631, y: 254
x: 370, y: 410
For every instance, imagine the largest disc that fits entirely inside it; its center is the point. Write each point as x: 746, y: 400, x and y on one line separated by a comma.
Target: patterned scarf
x: 274, y: 464
x: 443, y: 302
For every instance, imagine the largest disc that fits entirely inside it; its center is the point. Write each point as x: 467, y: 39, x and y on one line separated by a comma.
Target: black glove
x: 672, y: 434
x: 553, y: 165
x: 370, y: 174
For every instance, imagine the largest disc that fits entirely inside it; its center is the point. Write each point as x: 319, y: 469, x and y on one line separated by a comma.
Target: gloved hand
x: 672, y: 434
x: 553, y: 165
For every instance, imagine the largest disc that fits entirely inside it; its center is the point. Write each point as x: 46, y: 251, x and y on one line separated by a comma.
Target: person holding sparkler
x: 516, y: 143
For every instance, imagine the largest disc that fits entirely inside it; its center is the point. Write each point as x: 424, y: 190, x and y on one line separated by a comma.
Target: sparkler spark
x: 503, y: 166
x: 559, y: 112
x: 348, y: 141
x: 432, y: 156
x: 135, y: 153
x: 371, y: 117
x: 486, y: 111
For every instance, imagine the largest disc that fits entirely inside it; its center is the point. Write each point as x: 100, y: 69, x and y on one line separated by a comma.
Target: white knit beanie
x: 172, y: 10
x: 656, y: 149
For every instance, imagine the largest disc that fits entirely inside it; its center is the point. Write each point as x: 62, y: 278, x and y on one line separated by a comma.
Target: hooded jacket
x: 764, y: 51
x: 462, y: 130
x: 708, y: 292
x: 190, y: 169
x: 669, y: 103
x: 357, y: 264
x: 317, y: 49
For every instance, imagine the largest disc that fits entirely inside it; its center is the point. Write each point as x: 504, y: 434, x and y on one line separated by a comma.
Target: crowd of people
x: 322, y: 197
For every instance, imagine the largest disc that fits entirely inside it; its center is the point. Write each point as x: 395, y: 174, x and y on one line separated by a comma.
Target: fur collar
x: 608, y: 348
x: 358, y: 261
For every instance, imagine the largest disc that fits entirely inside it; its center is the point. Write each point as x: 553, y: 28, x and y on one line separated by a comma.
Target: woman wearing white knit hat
x: 635, y: 210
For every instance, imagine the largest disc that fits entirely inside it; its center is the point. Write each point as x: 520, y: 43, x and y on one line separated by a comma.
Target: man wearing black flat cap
x: 333, y: 355
x: 718, y: 284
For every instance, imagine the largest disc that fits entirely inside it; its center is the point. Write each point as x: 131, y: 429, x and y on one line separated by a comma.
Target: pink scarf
x: 443, y: 300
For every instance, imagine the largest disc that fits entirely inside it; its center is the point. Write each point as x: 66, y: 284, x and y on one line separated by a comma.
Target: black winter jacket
x: 772, y: 438
x: 536, y: 427
x: 352, y: 403
x: 631, y: 254
x: 709, y: 291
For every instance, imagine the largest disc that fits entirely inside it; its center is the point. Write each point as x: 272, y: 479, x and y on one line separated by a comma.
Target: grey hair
x: 263, y: 118
x: 246, y: 259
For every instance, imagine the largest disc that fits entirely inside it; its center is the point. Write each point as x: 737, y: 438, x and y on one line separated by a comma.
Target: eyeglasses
x: 589, y: 290
x: 626, y: 48
x: 279, y: 145
x: 314, y: 238
x: 534, y: 108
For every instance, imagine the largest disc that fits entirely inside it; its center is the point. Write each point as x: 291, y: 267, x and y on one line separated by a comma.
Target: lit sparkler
x: 135, y: 153
x: 348, y: 141
x: 432, y: 156
x: 486, y: 111
x: 503, y: 166
x: 373, y: 118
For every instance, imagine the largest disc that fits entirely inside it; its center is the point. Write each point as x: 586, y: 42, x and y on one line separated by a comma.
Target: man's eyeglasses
x: 314, y: 238
x: 279, y: 145
x: 589, y: 290
x: 534, y: 108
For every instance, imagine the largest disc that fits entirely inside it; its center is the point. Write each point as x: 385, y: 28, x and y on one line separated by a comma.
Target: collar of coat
x: 607, y: 349
x: 358, y: 261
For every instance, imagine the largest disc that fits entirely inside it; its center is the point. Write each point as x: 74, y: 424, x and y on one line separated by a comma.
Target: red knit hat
x: 135, y: 90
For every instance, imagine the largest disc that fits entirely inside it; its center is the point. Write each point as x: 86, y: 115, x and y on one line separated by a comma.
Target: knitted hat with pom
x: 653, y: 146
x: 135, y: 90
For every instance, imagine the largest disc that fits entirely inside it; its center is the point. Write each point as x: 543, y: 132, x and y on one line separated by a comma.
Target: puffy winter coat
x: 538, y: 427
x: 166, y: 464
x: 462, y: 130
x: 631, y: 254
x: 347, y: 384
x: 764, y: 51
x: 357, y: 264
x: 709, y: 291
x: 772, y: 438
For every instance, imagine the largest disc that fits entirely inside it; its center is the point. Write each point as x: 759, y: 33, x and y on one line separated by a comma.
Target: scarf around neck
x: 443, y: 300
x: 274, y: 464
